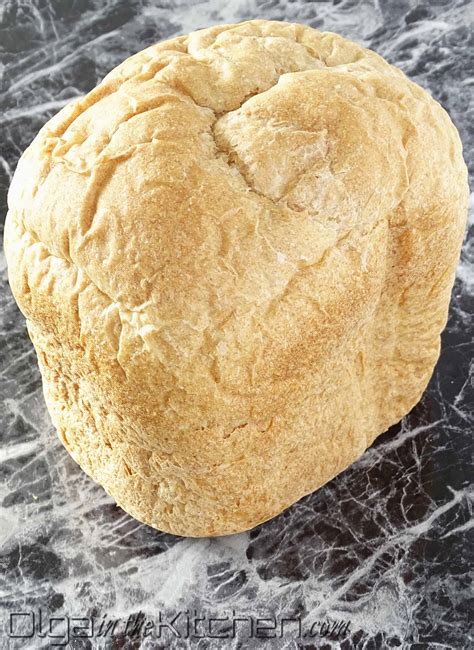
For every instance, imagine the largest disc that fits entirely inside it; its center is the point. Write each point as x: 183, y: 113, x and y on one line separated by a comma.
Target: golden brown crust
x: 235, y: 257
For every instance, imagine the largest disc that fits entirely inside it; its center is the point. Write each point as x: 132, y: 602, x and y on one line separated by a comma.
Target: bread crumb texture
x: 235, y: 258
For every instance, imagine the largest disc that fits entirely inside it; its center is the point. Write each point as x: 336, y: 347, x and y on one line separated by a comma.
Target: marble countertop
x: 378, y: 558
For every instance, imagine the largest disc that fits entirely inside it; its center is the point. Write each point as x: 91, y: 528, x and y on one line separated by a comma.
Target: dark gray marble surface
x: 385, y: 548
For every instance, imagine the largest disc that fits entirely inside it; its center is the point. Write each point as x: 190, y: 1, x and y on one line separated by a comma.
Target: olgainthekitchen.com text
x: 187, y: 624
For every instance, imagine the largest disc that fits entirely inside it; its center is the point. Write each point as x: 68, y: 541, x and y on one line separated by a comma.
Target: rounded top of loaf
x: 217, y: 214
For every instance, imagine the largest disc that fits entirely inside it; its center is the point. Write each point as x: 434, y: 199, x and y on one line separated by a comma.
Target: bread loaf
x: 235, y: 258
